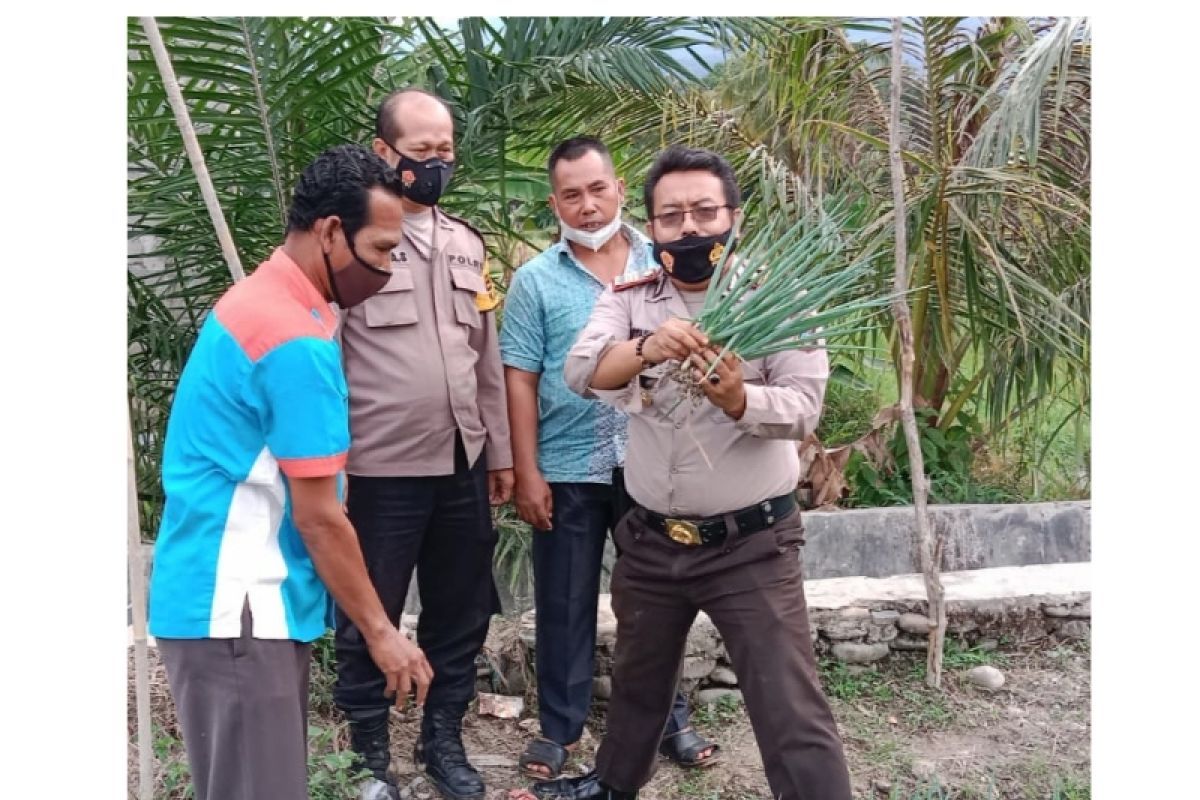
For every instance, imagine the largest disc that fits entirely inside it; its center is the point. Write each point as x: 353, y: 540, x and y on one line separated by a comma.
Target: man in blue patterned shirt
x: 567, y: 451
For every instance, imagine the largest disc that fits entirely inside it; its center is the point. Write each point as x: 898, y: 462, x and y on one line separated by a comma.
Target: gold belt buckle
x: 684, y: 532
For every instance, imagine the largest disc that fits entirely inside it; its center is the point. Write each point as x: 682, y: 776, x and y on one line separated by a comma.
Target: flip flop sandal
x: 684, y: 748
x: 543, y: 753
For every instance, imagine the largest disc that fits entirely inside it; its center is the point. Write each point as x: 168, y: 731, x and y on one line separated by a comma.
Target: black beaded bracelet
x: 641, y: 342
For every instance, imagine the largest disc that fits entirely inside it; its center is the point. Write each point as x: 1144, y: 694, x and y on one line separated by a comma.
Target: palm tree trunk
x: 192, y: 145
x: 137, y: 600
x: 930, y: 555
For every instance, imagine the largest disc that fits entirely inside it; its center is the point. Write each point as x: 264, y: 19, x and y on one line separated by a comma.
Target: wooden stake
x: 930, y: 553
x: 137, y: 600
x: 192, y: 145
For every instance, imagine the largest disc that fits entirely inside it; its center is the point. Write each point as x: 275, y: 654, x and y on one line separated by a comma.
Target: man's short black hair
x: 386, y: 127
x: 574, y: 148
x: 337, y: 183
x: 678, y: 158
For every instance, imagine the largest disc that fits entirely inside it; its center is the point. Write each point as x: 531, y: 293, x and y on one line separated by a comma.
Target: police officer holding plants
x: 715, y: 526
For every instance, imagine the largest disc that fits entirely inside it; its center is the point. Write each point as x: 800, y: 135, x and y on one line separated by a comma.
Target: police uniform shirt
x: 694, y: 460
x: 422, y: 358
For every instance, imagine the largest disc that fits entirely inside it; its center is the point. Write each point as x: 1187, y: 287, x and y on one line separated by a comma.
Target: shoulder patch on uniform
x: 623, y: 282
x: 489, y: 298
x: 464, y: 223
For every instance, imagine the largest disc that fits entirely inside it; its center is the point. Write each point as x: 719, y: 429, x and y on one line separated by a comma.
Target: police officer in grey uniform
x: 715, y: 526
x: 429, y: 452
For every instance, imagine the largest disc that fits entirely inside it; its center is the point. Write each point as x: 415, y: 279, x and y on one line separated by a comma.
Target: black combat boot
x: 589, y: 787
x: 440, y: 750
x: 369, y: 740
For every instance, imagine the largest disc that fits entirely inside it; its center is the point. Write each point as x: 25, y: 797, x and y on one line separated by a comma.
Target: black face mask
x: 691, y: 259
x: 356, y: 282
x: 425, y: 181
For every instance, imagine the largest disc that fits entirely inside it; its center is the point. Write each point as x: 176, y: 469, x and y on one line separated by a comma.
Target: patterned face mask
x: 425, y: 181
x: 691, y: 259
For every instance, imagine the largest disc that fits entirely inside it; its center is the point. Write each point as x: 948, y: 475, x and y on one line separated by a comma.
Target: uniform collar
x: 662, y: 290
x: 441, y: 219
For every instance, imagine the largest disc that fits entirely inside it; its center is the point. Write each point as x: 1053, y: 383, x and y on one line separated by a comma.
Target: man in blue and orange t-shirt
x: 253, y: 538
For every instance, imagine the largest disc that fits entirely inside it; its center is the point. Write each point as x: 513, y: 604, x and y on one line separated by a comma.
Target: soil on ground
x: 1028, y: 740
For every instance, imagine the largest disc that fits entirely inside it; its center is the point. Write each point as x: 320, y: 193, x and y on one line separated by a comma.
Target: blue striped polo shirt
x: 261, y: 401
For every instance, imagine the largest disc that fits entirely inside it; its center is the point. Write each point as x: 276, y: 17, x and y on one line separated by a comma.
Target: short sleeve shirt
x: 262, y: 400
x: 547, y: 305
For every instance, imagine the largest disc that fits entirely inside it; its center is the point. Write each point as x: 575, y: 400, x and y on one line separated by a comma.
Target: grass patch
x: 887, y: 753
x: 174, y: 776
x: 924, y: 708
x: 727, y: 709
x: 1043, y: 777
x: 957, y: 654
x: 929, y: 791
x: 331, y: 772
x: 1071, y: 788
x: 696, y: 785
x: 883, y: 692
x: 709, y: 785
x: 844, y: 683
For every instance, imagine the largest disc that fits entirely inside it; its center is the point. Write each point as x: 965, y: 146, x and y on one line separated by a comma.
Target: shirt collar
x: 640, y: 259
x: 282, y: 270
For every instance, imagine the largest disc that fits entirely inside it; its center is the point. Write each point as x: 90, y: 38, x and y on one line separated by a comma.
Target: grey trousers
x: 243, y: 707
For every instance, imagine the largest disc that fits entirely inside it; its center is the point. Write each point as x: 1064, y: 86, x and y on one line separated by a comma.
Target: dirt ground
x: 1028, y: 740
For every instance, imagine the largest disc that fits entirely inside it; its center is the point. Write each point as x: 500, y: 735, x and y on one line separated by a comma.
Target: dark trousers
x: 243, y: 707
x: 753, y: 591
x: 566, y: 575
x: 443, y: 526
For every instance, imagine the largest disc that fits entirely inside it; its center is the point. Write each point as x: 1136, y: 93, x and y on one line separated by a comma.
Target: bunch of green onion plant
x: 787, y: 286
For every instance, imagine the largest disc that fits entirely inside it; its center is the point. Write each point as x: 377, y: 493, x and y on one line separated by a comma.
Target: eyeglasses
x: 701, y: 214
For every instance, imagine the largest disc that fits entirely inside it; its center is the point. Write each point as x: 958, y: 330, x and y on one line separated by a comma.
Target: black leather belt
x: 712, y: 531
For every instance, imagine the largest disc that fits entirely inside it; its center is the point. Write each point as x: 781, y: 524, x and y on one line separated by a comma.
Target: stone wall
x: 861, y: 620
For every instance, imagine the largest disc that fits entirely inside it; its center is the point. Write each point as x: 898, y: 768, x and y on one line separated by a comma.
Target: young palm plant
x: 995, y: 137
x: 520, y: 85
x: 267, y: 94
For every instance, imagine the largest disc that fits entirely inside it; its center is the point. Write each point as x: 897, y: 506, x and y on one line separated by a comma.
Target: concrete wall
x: 878, y: 542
